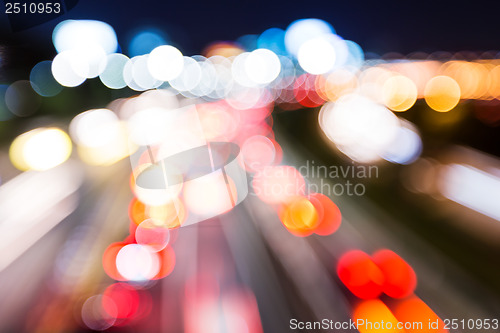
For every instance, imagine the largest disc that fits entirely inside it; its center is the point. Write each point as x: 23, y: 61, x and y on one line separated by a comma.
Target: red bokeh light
x: 400, y: 279
x: 126, y: 300
x: 305, y: 91
x: 360, y: 274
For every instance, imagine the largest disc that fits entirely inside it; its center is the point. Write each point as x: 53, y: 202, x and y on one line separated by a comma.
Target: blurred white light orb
x: 137, y: 262
x: 165, y: 62
x: 317, y: 56
x: 112, y: 71
x: 303, y: 30
x: 190, y: 76
x: 208, y: 81
x: 224, y: 77
x: 406, y: 146
x: 142, y: 76
x: 359, y: 127
x: 81, y: 34
x: 94, y: 56
x: 262, y: 66
x: 239, y: 71
x: 94, y: 128
x: 70, y: 68
x: 92, y: 40
x: 40, y: 149
x: 147, y: 127
x: 137, y: 75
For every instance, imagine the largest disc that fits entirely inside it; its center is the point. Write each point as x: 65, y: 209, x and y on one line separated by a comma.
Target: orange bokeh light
x: 137, y: 211
x: 442, y: 93
x: 373, y: 316
x: 224, y: 49
x: 415, y: 310
x: 299, y: 216
x: 330, y: 216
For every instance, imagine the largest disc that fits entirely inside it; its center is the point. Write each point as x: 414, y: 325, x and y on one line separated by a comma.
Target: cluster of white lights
x: 82, y: 46
x: 366, y: 131
x: 87, y: 49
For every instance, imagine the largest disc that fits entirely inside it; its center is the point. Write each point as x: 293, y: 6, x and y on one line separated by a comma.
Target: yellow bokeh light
x: 399, y: 93
x: 300, y: 215
x: 303, y: 213
x: 40, y: 149
x: 442, y: 93
x: 16, y: 151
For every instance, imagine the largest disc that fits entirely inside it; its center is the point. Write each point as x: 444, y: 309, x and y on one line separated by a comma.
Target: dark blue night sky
x: 378, y: 26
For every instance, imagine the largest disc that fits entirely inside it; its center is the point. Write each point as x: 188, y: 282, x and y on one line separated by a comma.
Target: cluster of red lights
x: 385, y: 272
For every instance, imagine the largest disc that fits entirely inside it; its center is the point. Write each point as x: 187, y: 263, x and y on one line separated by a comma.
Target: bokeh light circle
x: 99, y: 312
x: 360, y: 274
x: 258, y: 152
x: 94, y: 128
x: 400, y: 279
x: 137, y: 262
x: 301, y: 31
x: 399, y: 93
x: 165, y: 62
x: 442, y: 93
x: 112, y: 71
x: 42, y: 80
x: 21, y: 99
x: 262, y: 66
x: 70, y: 68
x: 40, y: 149
x: 153, y: 234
